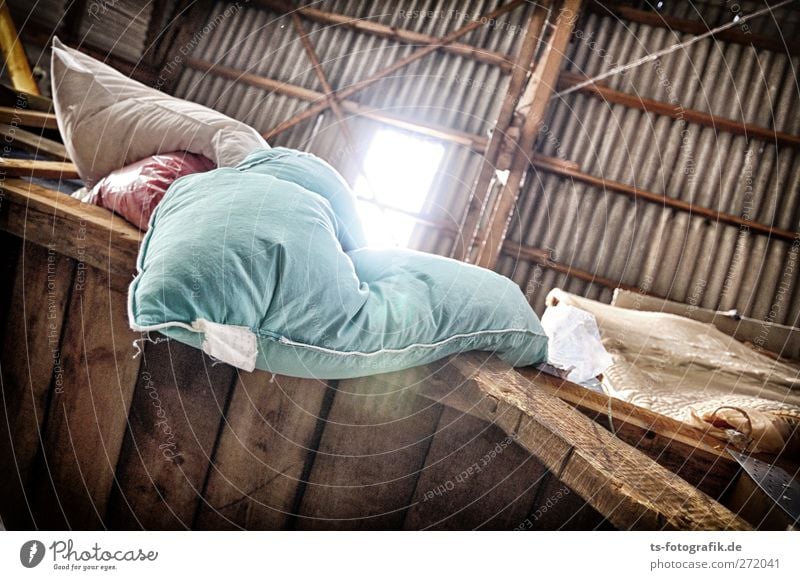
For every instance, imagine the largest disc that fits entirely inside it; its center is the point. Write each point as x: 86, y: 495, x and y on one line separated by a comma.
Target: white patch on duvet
x: 235, y: 345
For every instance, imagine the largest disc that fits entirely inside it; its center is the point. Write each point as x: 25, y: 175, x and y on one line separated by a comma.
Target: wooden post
x: 522, y: 67
x: 540, y: 87
x: 14, y: 54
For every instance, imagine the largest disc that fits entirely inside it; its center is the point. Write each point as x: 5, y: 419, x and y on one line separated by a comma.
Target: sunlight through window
x: 400, y: 169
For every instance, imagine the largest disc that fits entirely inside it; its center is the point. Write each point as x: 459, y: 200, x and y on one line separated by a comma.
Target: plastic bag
x: 575, y: 344
x: 135, y: 190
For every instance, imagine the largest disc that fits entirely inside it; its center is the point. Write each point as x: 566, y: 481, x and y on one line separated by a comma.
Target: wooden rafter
x: 330, y: 94
x: 38, y: 168
x: 334, y: 104
x: 676, y: 111
x: 502, y: 60
x: 480, y: 144
x: 477, y: 199
x: 28, y: 118
x: 544, y: 258
x: 666, y: 201
x: 696, y: 27
x: 489, y: 243
x: 476, y: 142
x: 398, y: 65
x: 33, y: 143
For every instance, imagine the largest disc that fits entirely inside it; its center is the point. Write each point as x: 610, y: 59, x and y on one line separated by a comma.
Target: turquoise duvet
x: 265, y: 266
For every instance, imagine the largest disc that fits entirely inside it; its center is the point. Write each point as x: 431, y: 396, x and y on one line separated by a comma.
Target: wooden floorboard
x: 175, y: 416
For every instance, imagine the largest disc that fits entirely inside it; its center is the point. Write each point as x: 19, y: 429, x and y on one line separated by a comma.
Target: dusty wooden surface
x: 630, y: 489
x: 32, y: 364
x: 87, y: 417
x: 178, y: 406
x: 38, y: 168
x: 267, y: 444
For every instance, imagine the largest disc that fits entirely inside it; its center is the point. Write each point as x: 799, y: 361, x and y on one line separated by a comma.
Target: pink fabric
x: 135, y: 190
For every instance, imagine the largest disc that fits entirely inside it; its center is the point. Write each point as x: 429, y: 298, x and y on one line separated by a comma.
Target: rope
x: 668, y: 50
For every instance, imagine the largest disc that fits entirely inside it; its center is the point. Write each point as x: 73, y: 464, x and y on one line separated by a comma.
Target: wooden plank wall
x: 170, y: 440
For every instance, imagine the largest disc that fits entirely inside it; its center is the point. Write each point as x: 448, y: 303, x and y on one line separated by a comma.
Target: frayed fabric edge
x: 137, y: 344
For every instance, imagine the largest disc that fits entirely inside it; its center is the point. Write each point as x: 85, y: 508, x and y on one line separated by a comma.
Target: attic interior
x: 491, y: 264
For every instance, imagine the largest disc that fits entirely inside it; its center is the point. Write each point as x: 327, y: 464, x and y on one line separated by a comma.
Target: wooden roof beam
x: 398, y: 65
x: 28, y: 118
x: 664, y: 200
x: 480, y: 189
x: 488, y: 244
x: 696, y: 27
x: 675, y: 111
x: 476, y: 142
x: 502, y: 60
x: 33, y: 143
x: 543, y: 258
x: 38, y: 168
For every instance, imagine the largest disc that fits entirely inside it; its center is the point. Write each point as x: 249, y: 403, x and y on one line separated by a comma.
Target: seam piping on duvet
x: 287, y: 341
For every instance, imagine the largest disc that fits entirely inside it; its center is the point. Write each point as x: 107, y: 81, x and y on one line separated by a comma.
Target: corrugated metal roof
x: 117, y: 26
x: 661, y: 250
x: 45, y: 13
x: 785, y: 21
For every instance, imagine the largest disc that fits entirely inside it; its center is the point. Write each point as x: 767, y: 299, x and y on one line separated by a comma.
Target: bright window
x: 400, y: 170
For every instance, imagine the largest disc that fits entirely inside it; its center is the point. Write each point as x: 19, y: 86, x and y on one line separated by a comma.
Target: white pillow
x: 108, y: 120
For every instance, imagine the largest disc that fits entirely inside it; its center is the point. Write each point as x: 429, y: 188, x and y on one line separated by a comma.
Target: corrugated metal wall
x: 664, y: 251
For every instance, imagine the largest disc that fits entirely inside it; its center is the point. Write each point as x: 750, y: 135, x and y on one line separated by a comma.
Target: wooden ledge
x: 89, y: 234
x: 622, y: 483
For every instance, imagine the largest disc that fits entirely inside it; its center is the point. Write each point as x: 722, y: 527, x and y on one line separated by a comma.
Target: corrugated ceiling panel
x: 665, y: 251
x: 118, y: 27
